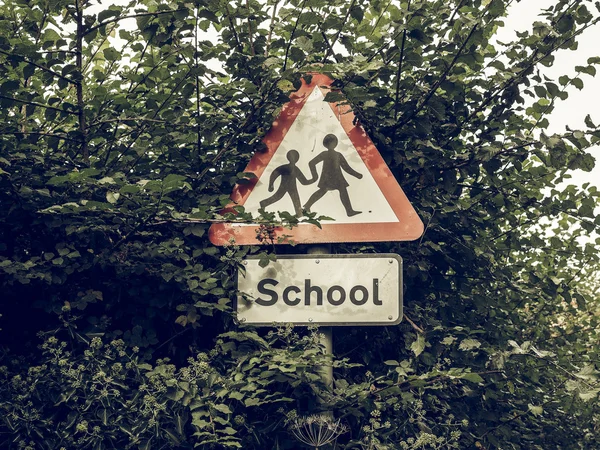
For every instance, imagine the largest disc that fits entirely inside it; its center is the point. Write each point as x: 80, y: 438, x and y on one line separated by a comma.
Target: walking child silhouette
x: 332, y: 178
x: 289, y: 173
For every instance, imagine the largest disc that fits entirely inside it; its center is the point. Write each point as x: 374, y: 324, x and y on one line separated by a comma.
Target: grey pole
x: 325, y: 332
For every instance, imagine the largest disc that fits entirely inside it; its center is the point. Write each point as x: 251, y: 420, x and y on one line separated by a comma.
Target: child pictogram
x: 289, y: 173
x: 332, y: 178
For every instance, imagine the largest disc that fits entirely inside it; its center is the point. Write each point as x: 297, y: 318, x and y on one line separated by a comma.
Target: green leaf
x: 418, y: 346
x: 222, y: 408
x: 67, y: 69
x: 236, y: 395
x: 448, y: 340
x: 357, y: 13
x: 252, y: 402
x: 540, y: 91
x: 536, y: 410
x: 553, y: 89
x: 472, y: 377
x: 589, y: 395
x: 588, y: 122
x: 469, y: 344
x: 28, y: 71
x: 108, y: 13
x: 111, y: 54
x: 9, y: 86
x: 112, y: 197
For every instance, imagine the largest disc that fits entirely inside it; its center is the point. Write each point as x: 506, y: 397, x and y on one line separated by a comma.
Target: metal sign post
x: 326, y: 338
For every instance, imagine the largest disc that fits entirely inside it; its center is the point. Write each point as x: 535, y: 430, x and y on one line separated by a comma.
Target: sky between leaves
x: 570, y: 112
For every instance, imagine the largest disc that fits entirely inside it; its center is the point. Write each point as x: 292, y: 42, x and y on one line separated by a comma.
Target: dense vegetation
x: 122, y: 132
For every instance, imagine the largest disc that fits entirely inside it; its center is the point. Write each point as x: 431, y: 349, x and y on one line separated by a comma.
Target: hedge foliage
x: 122, y: 132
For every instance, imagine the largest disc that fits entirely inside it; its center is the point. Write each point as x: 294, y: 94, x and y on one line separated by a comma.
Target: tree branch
x: 233, y: 30
x: 131, y: 16
x: 198, y: 132
x: 325, y: 39
x: 534, y: 59
x: 41, y: 105
x: 330, y: 50
x: 287, y: 49
x: 125, y: 119
x: 36, y: 133
x: 79, y: 63
x: 440, y: 80
x: 250, y: 29
x: 270, y: 35
x: 399, y: 72
x: 158, y: 110
x: 414, y: 325
x: 45, y: 69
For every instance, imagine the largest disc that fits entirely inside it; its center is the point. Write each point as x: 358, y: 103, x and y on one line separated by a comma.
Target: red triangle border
x: 409, y: 227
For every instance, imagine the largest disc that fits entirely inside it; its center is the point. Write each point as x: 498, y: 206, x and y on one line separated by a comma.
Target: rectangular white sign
x: 322, y: 289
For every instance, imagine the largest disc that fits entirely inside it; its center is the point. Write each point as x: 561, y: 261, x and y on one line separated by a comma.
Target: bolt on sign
x: 319, y: 159
x: 356, y: 289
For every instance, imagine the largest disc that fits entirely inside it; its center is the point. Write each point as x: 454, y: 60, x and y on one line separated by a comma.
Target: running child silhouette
x: 289, y: 173
x: 332, y: 178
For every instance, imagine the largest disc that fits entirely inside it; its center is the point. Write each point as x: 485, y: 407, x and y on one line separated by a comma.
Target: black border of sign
x: 338, y: 256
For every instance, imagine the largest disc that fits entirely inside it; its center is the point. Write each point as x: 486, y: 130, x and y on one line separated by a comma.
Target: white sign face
x: 317, y: 168
x: 318, y: 160
x: 322, y: 289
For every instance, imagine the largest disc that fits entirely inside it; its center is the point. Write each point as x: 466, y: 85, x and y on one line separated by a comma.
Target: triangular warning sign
x: 318, y: 160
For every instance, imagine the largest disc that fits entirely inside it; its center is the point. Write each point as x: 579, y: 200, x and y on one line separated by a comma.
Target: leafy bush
x: 115, y: 162
x: 105, y: 396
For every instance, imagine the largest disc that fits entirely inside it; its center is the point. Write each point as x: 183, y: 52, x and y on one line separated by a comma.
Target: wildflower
x: 239, y: 420
x: 96, y: 342
x: 317, y: 431
x: 82, y: 427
